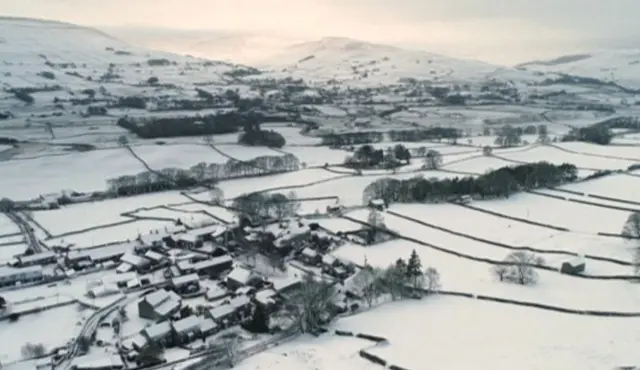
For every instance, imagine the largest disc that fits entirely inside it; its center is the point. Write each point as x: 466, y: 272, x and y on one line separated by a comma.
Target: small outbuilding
x: 574, y: 266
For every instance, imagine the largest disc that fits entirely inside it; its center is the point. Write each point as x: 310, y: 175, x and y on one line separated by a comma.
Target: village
x: 190, y: 289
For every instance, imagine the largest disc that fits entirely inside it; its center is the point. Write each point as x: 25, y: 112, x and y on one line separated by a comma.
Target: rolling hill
x: 55, y: 61
x: 359, y: 62
x: 619, y: 66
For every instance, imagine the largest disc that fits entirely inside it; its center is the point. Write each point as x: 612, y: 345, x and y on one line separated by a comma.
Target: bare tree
x: 520, y: 268
x: 375, y: 219
x: 367, y: 282
x: 631, y: 229
x: 123, y: 140
x: 230, y: 349
x: 293, y: 204
x: 487, y: 151
x: 432, y: 279
x: 216, y: 195
x: 309, y: 307
x: 394, y: 281
x: 31, y: 350
x: 500, y: 271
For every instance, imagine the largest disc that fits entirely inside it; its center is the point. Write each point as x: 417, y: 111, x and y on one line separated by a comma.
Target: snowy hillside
x: 55, y: 59
x: 345, y: 59
x: 620, y: 66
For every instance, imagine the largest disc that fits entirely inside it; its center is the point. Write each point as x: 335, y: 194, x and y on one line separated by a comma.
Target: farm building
x: 188, y: 240
x: 187, y: 329
x: 216, y: 292
x: 573, y: 266
x: 214, y: 267
x: 43, y: 258
x: 101, y: 361
x: 159, y: 305
x: 137, y: 263
x: 155, y: 258
x: 12, y: 276
x: 310, y: 256
x: 238, y: 277
x: 186, y: 284
x: 160, y: 333
x: 185, y: 267
x: 208, y: 233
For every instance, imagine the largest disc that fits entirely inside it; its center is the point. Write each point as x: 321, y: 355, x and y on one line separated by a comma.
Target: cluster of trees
x: 433, y: 133
x: 518, y: 268
x: 367, y: 156
x: 498, y: 183
x: 159, y: 127
x: 352, y: 138
x: 134, y: 102
x: 33, y: 350
x: 200, y: 174
x: 267, y: 206
x: 255, y: 136
x: 597, y: 134
x: 400, y: 280
x: 309, y: 307
x: 509, y: 136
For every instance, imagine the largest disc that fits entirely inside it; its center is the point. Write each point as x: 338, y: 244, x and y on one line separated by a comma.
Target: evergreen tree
x: 401, y: 265
x: 414, y: 268
x: 259, y: 322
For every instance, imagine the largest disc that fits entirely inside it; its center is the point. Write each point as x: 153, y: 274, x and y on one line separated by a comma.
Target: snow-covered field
x: 557, y: 156
x: 84, y: 172
x: 510, y: 232
x: 39, y: 328
x: 85, y: 215
x: 309, y: 353
x: 119, y: 233
x: 558, y: 212
x: 467, y: 334
x: 7, y: 227
x: 318, y: 156
x: 620, y: 186
x: 178, y: 156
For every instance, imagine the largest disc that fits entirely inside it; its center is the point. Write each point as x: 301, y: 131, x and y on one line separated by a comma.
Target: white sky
x: 518, y: 23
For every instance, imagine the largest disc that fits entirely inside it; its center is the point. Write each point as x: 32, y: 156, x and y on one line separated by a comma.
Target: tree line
x: 369, y: 137
x: 367, y: 157
x: 199, y: 174
x: 211, y: 124
x: 497, y: 183
x: 267, y: 206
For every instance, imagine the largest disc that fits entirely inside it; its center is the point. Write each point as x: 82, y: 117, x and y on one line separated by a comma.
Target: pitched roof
x: 212, y: 262
x: 221, y: 311
x: 240, y: 275
x: 185, y: 279
x: 158, y: 330
x: 187, y: 324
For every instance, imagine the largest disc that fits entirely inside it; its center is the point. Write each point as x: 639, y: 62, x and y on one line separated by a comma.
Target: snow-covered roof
x: 186, y: 279
x: 37, y: 257
x: 188, y: 237
x: 98, y: 361
x: 221, y: 311
x: 309, y: 252
x: 240, y: 275
x: 154, y: 256
x: 212, y: 262
x: 167, y: 307
x: 139, y: 341
x: 328, y: 259
x: 187, y: 324
x: 244, y: 290
x: 134, y: 260
x: 239, y: 301
x: 123, y: 268
x: 184, y: 265
x: 8, y: 272
x: 207, y: 325
x: 266, y: 296
x: 118, y: 278
x: 213, y: 230
x: 158, y: 330
x: 216, y: 292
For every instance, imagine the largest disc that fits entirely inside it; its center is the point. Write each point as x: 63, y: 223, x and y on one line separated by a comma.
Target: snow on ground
x: 83, y: 172
x: 188, y: 218
x: 39, y: 328
x: 318, y: 156
x: 628, y: 152
x: 510, y: 232
x: 235, y: 188
x: 181, y: 156
x: 619, y: 186
x: 247, y: 153
x: 478, y: 165
x: 293, y: 135
x: 8, y: 251
x: 456, y: 333
x: 469, y: 276
x: 310, y: 353
x: 219, y: 212
x: 557, y: 156
x: 337, y: 224
x: 119, y: 233
x: 84, y: 215
x: 350, y: 189
x: 558, y: 212
x: 7, y: 226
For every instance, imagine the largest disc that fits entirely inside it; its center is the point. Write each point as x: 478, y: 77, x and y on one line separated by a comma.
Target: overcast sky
x: 432, y: 22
